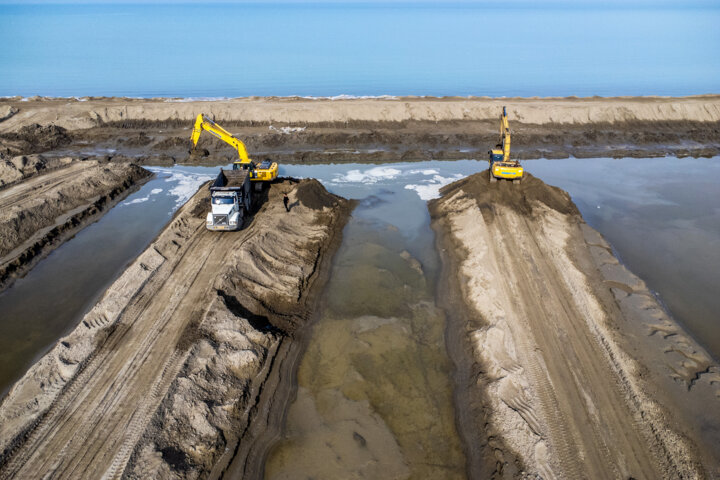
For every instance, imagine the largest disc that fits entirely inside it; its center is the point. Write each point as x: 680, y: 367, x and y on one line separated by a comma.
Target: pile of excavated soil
x: 37, y: 214
x: 35, y: 138
x: 313, y: 195
x: 561, y: 372
x: 18, y: 168
x: 184, y: 367
x: 521, y: 197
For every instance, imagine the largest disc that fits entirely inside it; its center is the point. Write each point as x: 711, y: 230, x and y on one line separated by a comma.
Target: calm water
x: 483, y: 48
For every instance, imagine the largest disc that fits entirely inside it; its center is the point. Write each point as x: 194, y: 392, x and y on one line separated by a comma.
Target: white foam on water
x: 372, y: 175
x: 185, y: 183
x: 196, y: 99
x: 136, y: 200
x: 427, y: 171
x: 353, y: 97
x: 430, y: 189
x: 154, y: 191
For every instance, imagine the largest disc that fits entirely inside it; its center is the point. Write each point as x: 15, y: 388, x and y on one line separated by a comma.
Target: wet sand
x: 567, y: 365
x: 374, y: 395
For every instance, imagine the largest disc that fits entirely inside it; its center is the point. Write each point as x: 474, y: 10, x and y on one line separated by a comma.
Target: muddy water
x: 49, y: 301
x: 374, y: 395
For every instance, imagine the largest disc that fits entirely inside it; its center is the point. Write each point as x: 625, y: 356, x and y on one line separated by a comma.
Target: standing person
x: 285, y: 202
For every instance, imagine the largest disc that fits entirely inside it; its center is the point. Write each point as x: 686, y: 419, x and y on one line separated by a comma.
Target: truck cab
x: 230, y: 200
x: 226, y: 212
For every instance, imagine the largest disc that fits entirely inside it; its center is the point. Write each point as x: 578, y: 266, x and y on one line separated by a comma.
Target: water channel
x: 374, y: 393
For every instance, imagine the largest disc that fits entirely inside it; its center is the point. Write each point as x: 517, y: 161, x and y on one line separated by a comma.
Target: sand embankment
x: 185, y: 362
x: 567, y: 365
x: 43, y: 202
x: 74, y: 114
x: 392, y: 129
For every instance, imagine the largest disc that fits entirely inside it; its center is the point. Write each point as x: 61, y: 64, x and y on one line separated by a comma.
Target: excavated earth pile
x: 567, y: 365
x: 34, y: 138
x: 186, y: 362
x: 45, y: 202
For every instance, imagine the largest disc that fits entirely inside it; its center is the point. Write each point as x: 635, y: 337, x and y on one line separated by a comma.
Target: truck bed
x: 230, y: 179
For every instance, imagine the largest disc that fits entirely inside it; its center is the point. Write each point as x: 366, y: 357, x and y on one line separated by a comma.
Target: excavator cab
x: 496, y: 154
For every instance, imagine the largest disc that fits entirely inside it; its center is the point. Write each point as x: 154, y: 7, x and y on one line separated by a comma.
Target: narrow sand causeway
x: 166, y: 373
x: 549, y: 381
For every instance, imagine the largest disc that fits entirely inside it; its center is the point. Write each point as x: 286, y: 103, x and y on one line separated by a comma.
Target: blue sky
x: 554, y: 3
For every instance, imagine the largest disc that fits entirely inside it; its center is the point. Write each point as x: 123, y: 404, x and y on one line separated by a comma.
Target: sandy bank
x: 76, y: 114
x: 185, y: 362
x: 366, y: 130
x: 567, y: 365
x: 43, y: 202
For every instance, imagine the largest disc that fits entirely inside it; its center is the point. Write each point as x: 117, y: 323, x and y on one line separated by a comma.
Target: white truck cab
x: 230, y: 200
x: 226, y: 212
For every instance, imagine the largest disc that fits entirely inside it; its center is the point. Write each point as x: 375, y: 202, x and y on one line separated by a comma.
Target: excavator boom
x: 505, y: 135
x: 265, y: 172
x: 204, y: 123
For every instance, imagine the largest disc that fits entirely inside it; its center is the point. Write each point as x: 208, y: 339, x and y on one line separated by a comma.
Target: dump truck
x: 500, y: 164
x: 231, y: 200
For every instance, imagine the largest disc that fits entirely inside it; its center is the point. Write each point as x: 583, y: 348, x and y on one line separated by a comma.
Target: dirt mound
x: 313, y: 195
x: 40, y: 138
x: 171, y: 142
x: 140, y: 140
x: 519, y: 197
x: 19, y: 168
x: 7, y: 111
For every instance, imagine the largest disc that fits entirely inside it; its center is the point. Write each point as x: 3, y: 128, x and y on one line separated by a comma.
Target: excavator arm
x: 505, y: 135
x: 204, y: 123
x: 266, y: 171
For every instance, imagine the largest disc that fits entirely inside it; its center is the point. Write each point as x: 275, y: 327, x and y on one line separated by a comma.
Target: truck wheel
x: 259, y: 186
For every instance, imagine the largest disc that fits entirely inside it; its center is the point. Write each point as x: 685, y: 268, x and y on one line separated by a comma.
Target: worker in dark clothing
x: 285, y: 202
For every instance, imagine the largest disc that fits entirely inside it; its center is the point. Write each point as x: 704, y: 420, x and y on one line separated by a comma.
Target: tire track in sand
x: 100, y: 443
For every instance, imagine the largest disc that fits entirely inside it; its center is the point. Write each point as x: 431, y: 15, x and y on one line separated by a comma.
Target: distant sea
x: 329, y: 49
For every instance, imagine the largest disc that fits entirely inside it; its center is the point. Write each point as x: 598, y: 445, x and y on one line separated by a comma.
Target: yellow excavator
x: 266, y: 171
x: 500, y: 164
